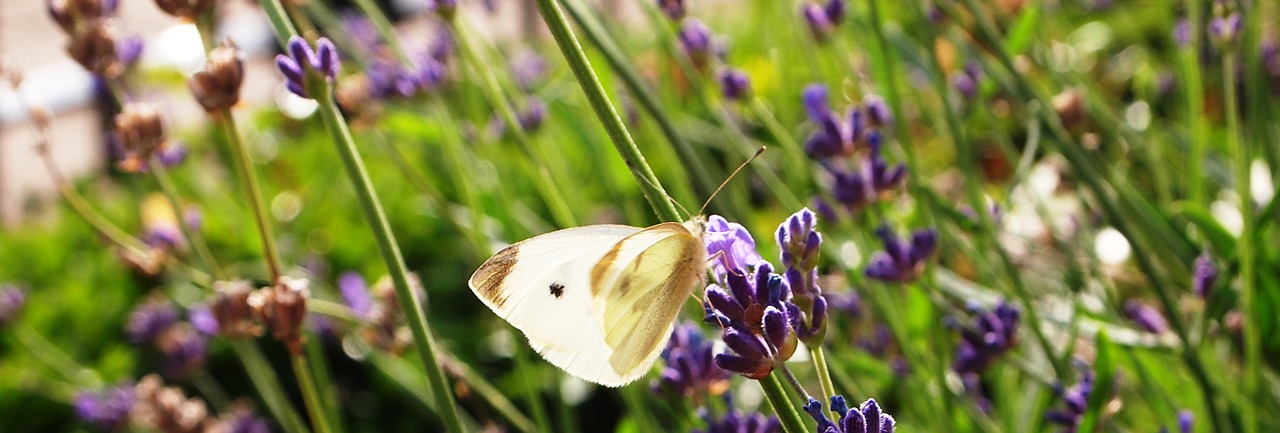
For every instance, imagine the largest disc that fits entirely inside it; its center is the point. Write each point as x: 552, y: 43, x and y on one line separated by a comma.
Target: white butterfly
x: 597, y: 301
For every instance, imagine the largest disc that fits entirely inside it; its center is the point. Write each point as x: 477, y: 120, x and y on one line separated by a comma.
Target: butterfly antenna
x: 727, y: 179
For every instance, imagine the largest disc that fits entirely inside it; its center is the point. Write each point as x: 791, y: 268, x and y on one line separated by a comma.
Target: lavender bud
x: 674, y: 9
x: 12, y: 301
x: 107, y: 409
x: 1145, y: 316
x: 1206, y: 274
x: 736, y: 84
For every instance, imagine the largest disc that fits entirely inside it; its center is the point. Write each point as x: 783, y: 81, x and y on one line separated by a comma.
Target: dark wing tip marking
x: 488, y: 280
x: 557, y: 290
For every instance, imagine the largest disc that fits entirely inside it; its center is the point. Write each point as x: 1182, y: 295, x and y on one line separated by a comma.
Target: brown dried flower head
x: 141, y: 132
x: 217, y: 87
x: 95, y: 49
x: 231, y: 308
x: 167, y: 409
x: 185, y: 9
x: 282, y: 308
x: 1070, y: 107
x: 68, y: 13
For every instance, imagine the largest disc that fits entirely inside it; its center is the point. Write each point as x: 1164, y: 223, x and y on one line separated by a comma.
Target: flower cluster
x: 156, y: 322
x: 282, y: 308
x: 966, y: 80
x: 690, y: 369
x: 12, y: 300
x: 94, y: 41
x: 1206, y: 274
x: 1076, y: 401
x: 799, y: 240
x: 105, y: 409
x: 1185, y: 421
x: 901, y: 261
x: 736, y: 84
x: 738, y: 422
x: 381, y: 311
x: 695, y: 37
x: 824, y: 18
x: 993, y: 333
x: 217, y: 87
x: 850, y: 148
x: 674, y: 9
x: 867, y: 418
x: 303, y: 65
x: 1145, y: 316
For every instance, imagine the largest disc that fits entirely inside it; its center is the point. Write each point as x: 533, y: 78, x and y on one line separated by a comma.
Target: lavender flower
x: 695, y: 37
x: 901, y: 262
x: 240, y: 420
x: 816, y: 17
x: 966, y: 80
x: 387, y: 78
x: 361, y: 31
x: 732, y: 247
x: 301, y: 59
x: 355, y: 292
x: 738, y: 422
x: 1225, y: 30
x: 1206, y: 274
x: 674, y: 9
x: 993, y: 333
x: 815, y: 102
x: 753, y: 313
x: 106, y: 409
x: 529, y: 69
x: 867, y: 418
x: 149, y: 320
x: 1182, y: 33
x: 1185, y: 421
x: 12, y: 300
x: 184, y: 350
x: 1145, y: 316
x: 799, y: 241
x: 202, y: 319
x: 736, y: 84
x: 690, y: 368
x: 1076, y: 399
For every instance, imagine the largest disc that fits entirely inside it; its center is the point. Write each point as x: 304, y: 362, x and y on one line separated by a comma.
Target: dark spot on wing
x: 557, y: 290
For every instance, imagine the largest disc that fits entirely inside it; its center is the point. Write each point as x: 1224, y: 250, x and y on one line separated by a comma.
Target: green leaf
x: 1217, y: 235
x: 1024, y: 28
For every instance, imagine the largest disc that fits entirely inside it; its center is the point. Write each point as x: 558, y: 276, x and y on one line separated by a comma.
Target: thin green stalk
x: 782, y: 405
x: 211, y: 390
x: 53, y: 357
x: 249, y: 179
x: 1253, y: 378
x: 1193, y: 93
x: 595, y: 32
x: 789, y: 143
x: 279, y: 21
x: 533, y: 394
x: 324, y: 380
x: 824, y: 374
x: 967, y: 157
x: 193, y: 236
x: 310, y: 394
x: 268, y: 385
x: 534, y: 160
x: 608, y: 115
x: 390, y: 252
x: 496, y: 399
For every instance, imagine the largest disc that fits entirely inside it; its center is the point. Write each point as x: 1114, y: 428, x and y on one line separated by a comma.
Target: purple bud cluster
x: 799, y: 240
x: 183, y: 345
x: 1145, y: 316
x: 105, y: 409
x: 1205, y: 276
x: 824, y: 18
x: 673, y: 9
x: 993, y: 333
x: 1185, y: 421
x: 966, y: 80
x: 12, y: 301
x: 1076, y: 402
x: 738, y: 422
x: 736, y: 85
x: 849, y: 147
x: 302, y: 61
x: 901, y: 261
x: 695, y: 37
x: 690, y: 369
x: 867, y: 418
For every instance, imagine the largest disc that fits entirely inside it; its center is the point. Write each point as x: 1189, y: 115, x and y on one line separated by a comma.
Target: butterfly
x: 598, y: 301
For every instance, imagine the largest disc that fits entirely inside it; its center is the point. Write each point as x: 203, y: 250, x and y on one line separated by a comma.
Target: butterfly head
x: 696, y: 226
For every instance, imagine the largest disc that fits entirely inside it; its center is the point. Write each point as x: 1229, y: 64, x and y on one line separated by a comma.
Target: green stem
x: 608, y: 115
x: 211, y: 390
x: 496, y: 399
x: 643, y: 94
x: 310, y: 394
x: 193, y: 237
x: 324, y: 380
x: 824, y: 374
x: 268, y: 385
x: 776, y: 393
x: 1252, y: 340
x: 279, y: 21
x: 390, y: 252
x: 249, y: 179
x: 54, y: 358
x: 492, y: 89
x: 533, y: 388
x: 1193, y: 92
x: 792, y: 147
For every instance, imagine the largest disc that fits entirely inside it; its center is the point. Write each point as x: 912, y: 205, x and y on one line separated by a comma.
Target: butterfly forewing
x: 639, y: 287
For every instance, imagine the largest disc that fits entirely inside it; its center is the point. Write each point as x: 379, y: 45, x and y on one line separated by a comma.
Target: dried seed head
x: 217, y: 87
x: 283, y: 308
x: 140, y: 130
x: 185, y: 9
x: 67, y: 13
x: 95, y: 49
x: 232, y: 311
x: 167, y: 409
x: 1070, y: 107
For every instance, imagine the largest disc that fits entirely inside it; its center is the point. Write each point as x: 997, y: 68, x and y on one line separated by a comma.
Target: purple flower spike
x: 674, y: 9
x: 992, y: 334
x: 1206, y: 274
x: 1145, y: 316
x: 355, y: 292
x: 695, y: 37
x: 301, y: 58
x: 106, y: 409
x: 202, y: 319
x: 1075, y: 399
x: 738, y: 422
x: 1182, y: 33
x: 816, y: 17
x: 150, y: 319
x: 736, y: 84
x: 901, y: 262
x: 878, y: 112
x: 835, y: 10
x: 815, y: 102
x: 1225, y: 30
x: 732, y: 246
x: 867, y: 418
x: 12, y: 300
x: 800, y: 241
x: 690, y: 365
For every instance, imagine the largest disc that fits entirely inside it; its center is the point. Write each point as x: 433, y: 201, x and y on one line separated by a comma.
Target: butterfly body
x: 597, y: 301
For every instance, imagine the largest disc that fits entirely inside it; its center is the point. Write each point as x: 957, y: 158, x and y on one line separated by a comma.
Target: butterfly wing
x: 542, y: 286
x: 639, y: 287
